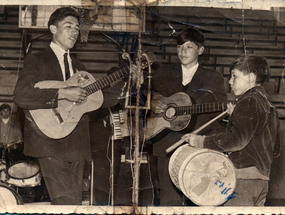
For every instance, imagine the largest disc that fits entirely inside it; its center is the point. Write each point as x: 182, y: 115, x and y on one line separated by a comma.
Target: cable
x: 110, y: 164
x: 114, y: 41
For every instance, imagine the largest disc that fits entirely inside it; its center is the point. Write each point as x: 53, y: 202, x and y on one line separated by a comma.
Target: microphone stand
x: 138, y: 78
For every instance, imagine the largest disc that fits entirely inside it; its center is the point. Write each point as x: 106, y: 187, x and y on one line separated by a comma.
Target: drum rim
x: 171, y: 161
x: 14, y: 192
x: 23, y: 161
x: 14, y: 183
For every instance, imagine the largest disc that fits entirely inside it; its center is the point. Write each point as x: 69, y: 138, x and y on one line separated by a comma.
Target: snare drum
x: 21, y: 171
x: 26, y: 182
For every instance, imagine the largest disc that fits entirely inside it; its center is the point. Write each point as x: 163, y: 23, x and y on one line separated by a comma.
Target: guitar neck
x: 107, y: 81
x: 115, y: 76
x: 201, y: 108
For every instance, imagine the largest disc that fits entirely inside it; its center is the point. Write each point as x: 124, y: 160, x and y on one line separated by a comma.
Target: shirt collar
x: 187, y: 74
x: 5, y: 121
x: 59, y: 52
x: 193, y: 68
x: 259, y: 89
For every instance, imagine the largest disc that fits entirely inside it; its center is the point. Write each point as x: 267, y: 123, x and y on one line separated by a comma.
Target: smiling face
x: 241, y: 82
x: 65, y: 33
x: 188, y: 53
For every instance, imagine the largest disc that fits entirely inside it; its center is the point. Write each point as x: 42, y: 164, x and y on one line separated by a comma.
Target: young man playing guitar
x: 61, y: 160
x: 201, y: 85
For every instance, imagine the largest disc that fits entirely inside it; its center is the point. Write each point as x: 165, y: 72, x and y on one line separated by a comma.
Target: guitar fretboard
x: 200, y: 108
x: 113, y: 77
x: 106, y: 81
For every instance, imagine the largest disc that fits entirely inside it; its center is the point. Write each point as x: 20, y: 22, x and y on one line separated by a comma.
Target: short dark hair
x: 5, y: 106
x: 60, y: 13
x: 191, y: 34
x: 252, y: 64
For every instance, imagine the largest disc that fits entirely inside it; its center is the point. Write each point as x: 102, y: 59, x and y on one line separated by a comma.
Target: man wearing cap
x: 202, y: 85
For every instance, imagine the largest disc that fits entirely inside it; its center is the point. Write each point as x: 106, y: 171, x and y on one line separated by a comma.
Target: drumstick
x: 175, y: 145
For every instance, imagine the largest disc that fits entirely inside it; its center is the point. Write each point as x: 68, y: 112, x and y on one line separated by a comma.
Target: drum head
x: 205, y: 176
x: 23, y: 170
x: 8, y: 196
x: 208, y: 178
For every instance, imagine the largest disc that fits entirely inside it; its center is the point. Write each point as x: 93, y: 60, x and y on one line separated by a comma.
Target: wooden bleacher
x: 223, y: 28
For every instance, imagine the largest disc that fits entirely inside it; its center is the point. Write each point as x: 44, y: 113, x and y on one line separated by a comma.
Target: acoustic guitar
x: 177, y: 114
x: 59, y: 122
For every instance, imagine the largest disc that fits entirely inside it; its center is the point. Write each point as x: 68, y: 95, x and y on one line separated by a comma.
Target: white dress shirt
x: 59, y: 52
x: 187, y: 74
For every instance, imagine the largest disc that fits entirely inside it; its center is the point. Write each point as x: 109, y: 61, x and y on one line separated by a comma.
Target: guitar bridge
x: 57, y: 115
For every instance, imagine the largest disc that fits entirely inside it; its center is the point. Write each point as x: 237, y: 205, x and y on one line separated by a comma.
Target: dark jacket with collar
x: 12, y: 130
x: 206, y: 86
x: 38, y: 67
x: 251, y: 133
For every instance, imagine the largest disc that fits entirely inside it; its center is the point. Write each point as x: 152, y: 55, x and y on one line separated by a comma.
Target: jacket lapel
x: 73, y: 65
x: 196, y: 80
x: 54, y: 63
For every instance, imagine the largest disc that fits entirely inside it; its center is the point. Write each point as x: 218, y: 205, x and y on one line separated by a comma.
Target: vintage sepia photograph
x: 142, y: 106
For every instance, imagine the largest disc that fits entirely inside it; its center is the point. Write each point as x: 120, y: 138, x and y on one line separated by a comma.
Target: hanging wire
x: 110, y: 196
x: 282, y: 79
x: 243, y: 31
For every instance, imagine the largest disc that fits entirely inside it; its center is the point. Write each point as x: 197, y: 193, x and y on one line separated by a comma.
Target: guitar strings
x: 89, y: 88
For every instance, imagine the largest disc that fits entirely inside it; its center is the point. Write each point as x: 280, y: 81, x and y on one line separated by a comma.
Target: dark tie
x: 66, y: 66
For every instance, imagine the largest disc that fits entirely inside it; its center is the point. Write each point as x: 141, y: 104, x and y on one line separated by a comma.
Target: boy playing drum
x: 252, y: 132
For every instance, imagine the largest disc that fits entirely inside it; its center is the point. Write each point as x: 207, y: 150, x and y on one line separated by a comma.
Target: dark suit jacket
x: 207, y: 86
x: 39, y: 67
x: 13, y: 128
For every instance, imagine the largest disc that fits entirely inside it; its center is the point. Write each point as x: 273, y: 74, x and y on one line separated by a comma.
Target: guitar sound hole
x: 82, y: 78
x: 170, y: 113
